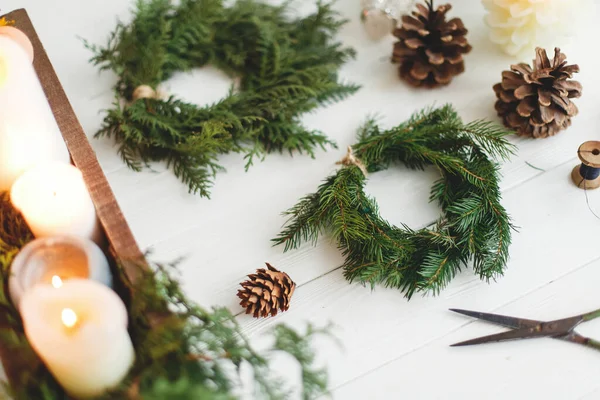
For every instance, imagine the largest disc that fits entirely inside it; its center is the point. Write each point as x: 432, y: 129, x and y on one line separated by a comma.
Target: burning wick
x: 56, y: 281
x: 69, y: 318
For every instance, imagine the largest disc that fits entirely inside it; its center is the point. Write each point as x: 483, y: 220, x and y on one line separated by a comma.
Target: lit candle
x: 80, y: 332
x: 28, y: 132
x: 54, y: 201
x: 53, y: 260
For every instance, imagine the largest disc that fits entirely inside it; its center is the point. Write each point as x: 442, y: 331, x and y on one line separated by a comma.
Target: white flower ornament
x: 519, y: 26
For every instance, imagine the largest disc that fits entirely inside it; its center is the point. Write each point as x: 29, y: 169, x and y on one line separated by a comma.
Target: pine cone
x: 430, y: 50
x: 266, y: 291
x: 537, y: 102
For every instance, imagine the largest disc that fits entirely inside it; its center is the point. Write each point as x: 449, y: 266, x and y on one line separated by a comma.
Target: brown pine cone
x: 430, y: 50
x: 266, y: 292
x: 14, y: 231
x: 537, y: 102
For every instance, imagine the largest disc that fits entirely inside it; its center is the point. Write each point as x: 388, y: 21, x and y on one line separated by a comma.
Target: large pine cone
x: 430, y: 50
x: 536, y: 102
x: 266, y: 292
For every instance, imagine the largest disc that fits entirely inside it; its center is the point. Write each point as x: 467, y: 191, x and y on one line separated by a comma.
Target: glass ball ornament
x: 380, y: 17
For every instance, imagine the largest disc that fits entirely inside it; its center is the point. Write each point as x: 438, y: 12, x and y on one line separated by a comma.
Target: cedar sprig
x: 182, y: 350
x: 475, y: 229
x: 285, y: 66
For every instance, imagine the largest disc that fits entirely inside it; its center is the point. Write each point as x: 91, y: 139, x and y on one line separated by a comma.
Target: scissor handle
x: 591, y: 315
x: 575, y: 337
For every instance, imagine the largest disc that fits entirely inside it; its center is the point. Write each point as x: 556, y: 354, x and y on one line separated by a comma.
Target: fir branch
x: 286, y: 66
x: 474, y: 230
x: 314, y: 381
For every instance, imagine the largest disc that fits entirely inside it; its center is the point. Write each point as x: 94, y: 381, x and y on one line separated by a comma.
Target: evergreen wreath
x: 475, y: 228
x: 285, y: 67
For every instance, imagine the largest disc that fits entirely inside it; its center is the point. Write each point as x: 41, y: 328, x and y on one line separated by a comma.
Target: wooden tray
x: 124, y: 249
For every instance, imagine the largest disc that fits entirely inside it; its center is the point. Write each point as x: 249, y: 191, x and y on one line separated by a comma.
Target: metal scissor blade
x: 509, y: 322
x: 523, y: 333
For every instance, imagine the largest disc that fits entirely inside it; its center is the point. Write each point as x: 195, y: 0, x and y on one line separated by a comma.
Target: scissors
x: 562, y: 329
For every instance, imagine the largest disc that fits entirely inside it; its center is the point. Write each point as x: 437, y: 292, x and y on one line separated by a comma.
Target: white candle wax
x: 19, y: 37
x: 53, y: 260
x: 80, y: 332
x: 28, y: 131
x: 54, y: 201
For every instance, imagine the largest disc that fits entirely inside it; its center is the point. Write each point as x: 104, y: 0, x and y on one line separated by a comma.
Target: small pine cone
x: 536, y: 102
x: 430, y: 49
x: 266, y: 292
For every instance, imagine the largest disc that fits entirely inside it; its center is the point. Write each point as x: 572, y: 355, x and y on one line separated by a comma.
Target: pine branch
x: 301, y: 226
x: 314, y: 380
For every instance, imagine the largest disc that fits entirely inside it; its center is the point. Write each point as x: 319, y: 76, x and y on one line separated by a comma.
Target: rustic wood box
x: 123, y: 247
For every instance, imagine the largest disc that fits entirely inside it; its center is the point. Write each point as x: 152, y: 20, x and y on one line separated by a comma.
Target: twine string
x: 351, y: 160
x: 588, y: 173
x: 587, y: 200
x: 146, y: 92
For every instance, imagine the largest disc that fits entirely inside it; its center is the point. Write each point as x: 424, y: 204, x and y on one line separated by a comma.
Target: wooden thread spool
x: 587, y: 174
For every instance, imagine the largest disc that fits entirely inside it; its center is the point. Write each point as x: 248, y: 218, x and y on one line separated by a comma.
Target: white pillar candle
x: 28, y: 131
x: 54, y: 201
x: 53, y: 260
x: 19, y: 37
x: 80, y: 332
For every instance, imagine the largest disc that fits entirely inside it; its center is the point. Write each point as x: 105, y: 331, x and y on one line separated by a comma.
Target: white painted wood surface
x: 391, y: 348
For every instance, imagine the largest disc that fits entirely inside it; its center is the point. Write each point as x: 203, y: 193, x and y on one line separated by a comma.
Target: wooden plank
x: 230, y: 233
x: 534, y: 369
x: 378, y: 327
x: 228, y: 236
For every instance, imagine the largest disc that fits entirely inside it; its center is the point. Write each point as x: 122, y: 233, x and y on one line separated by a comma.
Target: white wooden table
x: 392, y: 348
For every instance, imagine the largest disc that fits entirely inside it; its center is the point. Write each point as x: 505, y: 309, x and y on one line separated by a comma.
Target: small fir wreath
x: 285, y: 67
x: 474, y: 228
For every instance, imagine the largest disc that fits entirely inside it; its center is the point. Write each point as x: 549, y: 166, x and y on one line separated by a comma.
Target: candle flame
x: 56, y: 281
x: 69, y: 318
